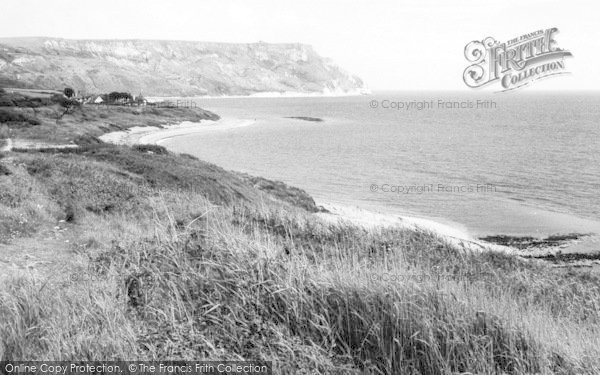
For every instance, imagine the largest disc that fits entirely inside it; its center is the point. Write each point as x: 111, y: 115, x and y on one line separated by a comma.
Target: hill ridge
x: 170, y: 67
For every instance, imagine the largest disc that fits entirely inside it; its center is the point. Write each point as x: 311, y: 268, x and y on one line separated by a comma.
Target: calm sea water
x: 526, y: 164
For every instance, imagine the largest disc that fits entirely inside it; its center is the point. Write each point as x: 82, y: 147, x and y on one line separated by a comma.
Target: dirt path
x: 30, y: 144
x: 34, y: 144
x: 47, y: 255
x: 8, y: 146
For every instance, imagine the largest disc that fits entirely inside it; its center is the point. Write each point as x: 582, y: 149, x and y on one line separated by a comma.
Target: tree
x: 116, y: 96
x: 66, y: 103
x: 69, y: 92
x: 113, y: 96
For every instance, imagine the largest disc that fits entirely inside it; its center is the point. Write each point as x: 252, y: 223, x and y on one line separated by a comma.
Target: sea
x: 520, y: 163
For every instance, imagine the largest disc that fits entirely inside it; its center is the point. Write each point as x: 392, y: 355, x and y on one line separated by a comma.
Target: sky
x: 390, y: 44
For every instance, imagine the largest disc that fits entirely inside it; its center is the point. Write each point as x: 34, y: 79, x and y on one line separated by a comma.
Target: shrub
x: 188, y: 156
x: 69, y: 92
x: 114, y: 96
x: 298, y: 197
x: 6, y: 101
x: 69, y: 212
x: 10, y: 116
x: 153, y: 149
x: 4, y: 171
x: 79, y: 186
x: 22, y: 101
x: 64, y: 102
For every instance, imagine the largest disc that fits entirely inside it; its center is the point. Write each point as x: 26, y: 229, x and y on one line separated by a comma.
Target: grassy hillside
x: 137, y: 253
x: 45, y: 118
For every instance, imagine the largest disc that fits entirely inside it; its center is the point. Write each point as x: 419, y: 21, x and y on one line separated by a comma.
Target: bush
x: 188, y: 156
x: 6, y: 101
x: 153, y: 149
x: 297, y: 197
x: 64, y: 102
x: 78, y: 186
x: 22, y: 101
x: 69, y: 92
x: 8, y: 116
x: 114, y: 96
x: 4, y: 171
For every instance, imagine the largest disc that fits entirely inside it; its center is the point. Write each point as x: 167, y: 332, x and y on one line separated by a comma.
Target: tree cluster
x: 116, y: 96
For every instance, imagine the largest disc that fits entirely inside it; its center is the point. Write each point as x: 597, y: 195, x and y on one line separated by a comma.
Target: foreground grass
x: 173, y: 258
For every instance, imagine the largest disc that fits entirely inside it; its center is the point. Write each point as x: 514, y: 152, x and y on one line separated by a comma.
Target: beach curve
x: 456, y: 237
x: 156, y: 135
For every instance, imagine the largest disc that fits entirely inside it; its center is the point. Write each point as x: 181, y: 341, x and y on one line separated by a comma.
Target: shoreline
x: 368, y: 219
x: 140, y: 135
x: 372, y: 220
x: 460, y: 239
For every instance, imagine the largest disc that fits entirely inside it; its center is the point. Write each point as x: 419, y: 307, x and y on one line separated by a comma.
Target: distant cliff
x: 169, y: 68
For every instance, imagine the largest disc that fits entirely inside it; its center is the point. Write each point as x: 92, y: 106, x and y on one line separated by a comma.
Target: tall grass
x: 184, y: 275
x: 225, y: 289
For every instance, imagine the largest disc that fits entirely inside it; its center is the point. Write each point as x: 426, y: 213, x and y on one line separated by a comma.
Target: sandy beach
x: 371, y: 220
x: 156, y: 135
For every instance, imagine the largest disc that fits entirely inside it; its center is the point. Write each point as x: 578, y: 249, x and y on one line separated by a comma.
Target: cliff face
x: 169, y: 68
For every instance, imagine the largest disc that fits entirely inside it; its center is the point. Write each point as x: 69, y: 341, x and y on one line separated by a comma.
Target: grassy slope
x: 163, y: 256
x: 41, y: 118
